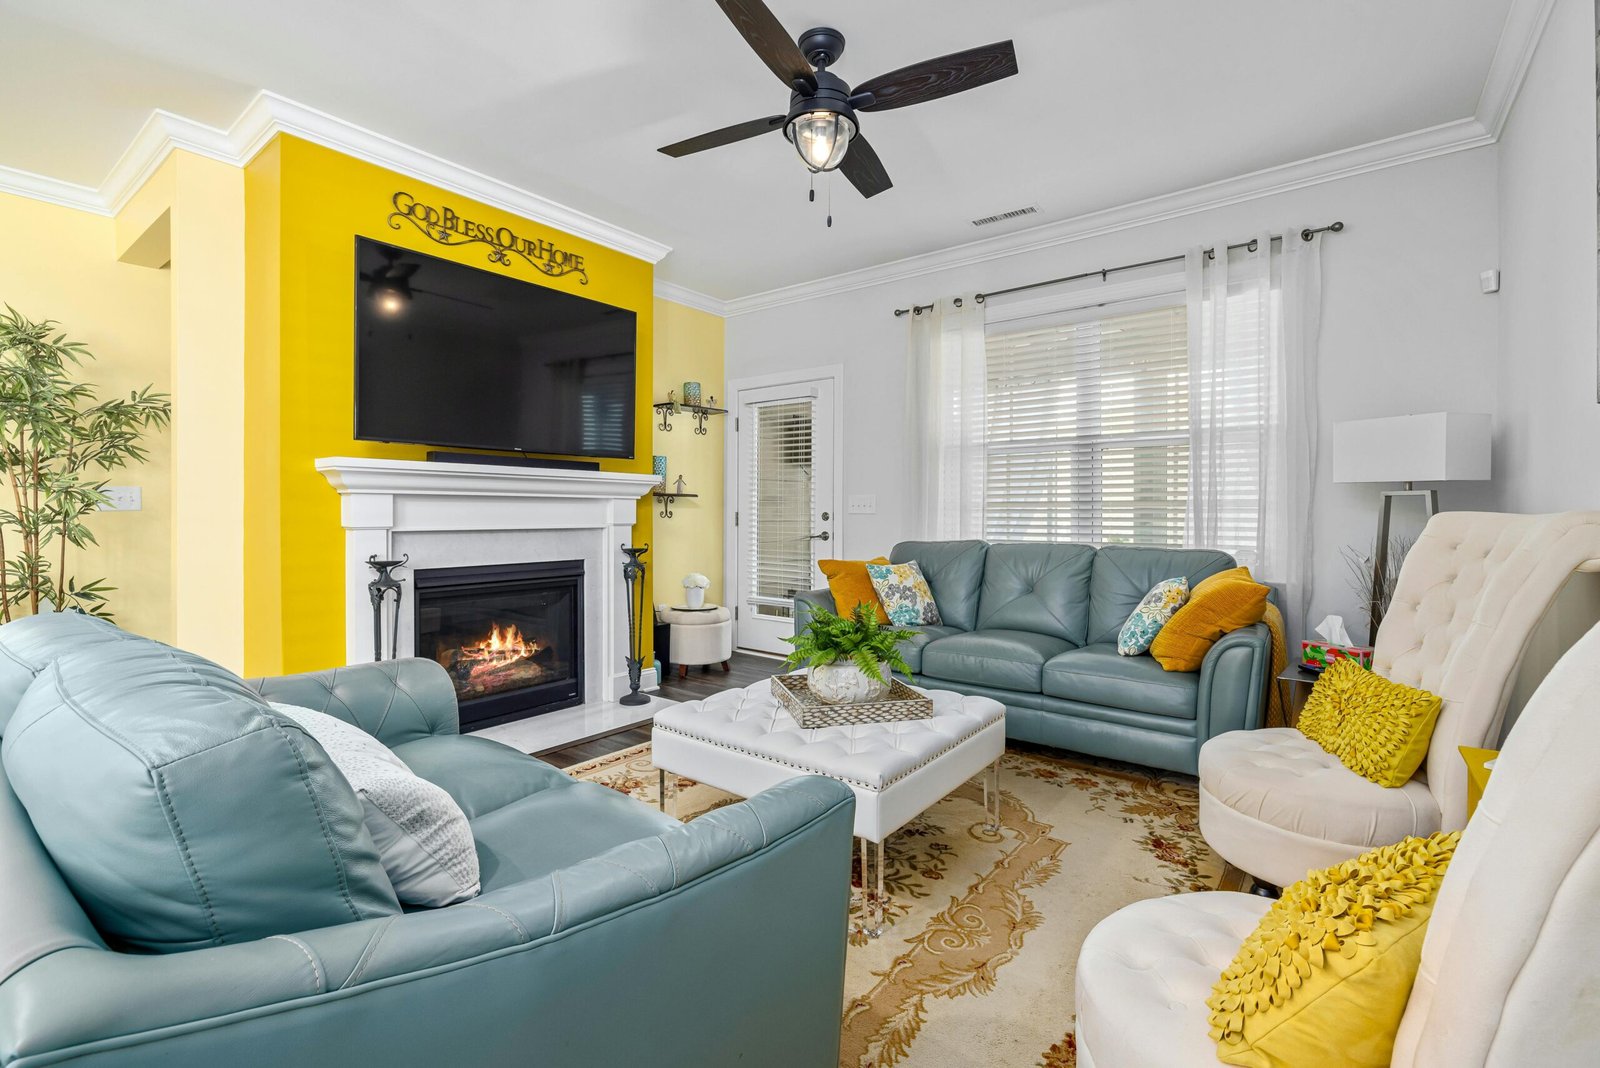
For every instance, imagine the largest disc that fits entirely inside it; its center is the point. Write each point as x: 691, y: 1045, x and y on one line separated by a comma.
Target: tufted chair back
x: 1470, y: 593
x: 1509, y: 974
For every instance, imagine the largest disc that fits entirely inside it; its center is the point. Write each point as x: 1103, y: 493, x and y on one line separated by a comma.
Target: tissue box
x: 1317, y: 655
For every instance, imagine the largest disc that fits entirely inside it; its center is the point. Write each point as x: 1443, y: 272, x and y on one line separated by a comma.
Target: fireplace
x: 509, y: 635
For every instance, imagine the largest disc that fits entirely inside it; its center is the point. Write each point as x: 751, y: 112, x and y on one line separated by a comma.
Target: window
x: 1086, y: 433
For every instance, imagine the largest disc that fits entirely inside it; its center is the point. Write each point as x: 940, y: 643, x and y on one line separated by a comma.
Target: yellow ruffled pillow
x: 1325, y: 976
x: 1222, y: 603
x: 1378, y: 729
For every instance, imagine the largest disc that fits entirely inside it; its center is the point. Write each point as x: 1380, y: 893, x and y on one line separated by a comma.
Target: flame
x: 500, y: 647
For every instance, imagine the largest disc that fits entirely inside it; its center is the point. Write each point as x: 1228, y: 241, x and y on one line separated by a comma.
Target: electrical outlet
x: 863, y: 504
x: 122, y: 499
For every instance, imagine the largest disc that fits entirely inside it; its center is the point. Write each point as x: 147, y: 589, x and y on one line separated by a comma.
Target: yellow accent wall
x: 689, y: 347
x: 60, y: 263
x: 305, y: 206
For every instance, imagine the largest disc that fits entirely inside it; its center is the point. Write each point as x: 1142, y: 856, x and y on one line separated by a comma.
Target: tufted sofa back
x: 954, y: 570
x: 1039, y: 588
x: 1509, y: 974
x: 1470, y: 593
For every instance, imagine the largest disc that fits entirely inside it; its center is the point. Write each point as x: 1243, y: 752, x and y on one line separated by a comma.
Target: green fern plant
x: 858, y: 638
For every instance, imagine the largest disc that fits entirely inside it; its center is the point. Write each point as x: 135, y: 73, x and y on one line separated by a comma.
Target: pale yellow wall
x: 689, y: 346
x: 59, y: 263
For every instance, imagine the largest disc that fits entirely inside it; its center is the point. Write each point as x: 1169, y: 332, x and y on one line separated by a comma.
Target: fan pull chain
x: 830, y: 200
x: 813, y: 187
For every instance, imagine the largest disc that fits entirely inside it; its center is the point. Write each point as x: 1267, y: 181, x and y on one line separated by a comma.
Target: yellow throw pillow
x: 1224, y: 602
x: 850, y: 585
x: 1325, y: 976
x: 1378, y: 729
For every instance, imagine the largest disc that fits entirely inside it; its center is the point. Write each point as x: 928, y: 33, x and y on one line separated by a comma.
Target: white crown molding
x: 1519, y: 39
x: 269, y: 115
x: 690, y: 298
x: 1377, y: 155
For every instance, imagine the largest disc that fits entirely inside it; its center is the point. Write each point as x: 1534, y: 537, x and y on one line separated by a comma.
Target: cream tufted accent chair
x: 1509, y: 974
x: 1470, y: 594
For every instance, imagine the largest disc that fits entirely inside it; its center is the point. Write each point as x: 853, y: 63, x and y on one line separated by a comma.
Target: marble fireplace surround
x: 458, y: 515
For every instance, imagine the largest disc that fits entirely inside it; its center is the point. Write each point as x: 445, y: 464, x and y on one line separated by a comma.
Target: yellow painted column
x: 689, y: 348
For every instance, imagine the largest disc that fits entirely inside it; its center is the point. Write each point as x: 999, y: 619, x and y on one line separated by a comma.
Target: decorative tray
x: 810, y: 711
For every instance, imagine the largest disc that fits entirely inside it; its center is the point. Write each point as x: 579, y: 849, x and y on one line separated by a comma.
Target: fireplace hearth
x: 509, y: 635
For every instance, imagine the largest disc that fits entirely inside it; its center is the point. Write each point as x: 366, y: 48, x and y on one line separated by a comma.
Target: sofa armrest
x: 395, y: 700
x: 805, y: 603
x: 755, y: 893
x: 1233, y: 682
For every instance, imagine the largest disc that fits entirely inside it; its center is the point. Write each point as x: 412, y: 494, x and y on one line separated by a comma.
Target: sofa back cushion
x: 1040, y: 588
x: 180, y: 810
x: 29, y: 644
x: 1123, y: 574
x: 954, y: 570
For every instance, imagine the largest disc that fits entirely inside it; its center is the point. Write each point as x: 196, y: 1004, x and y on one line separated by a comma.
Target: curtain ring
x: 958, y: 302
x: 978, y: 298
x: 1254, y: 244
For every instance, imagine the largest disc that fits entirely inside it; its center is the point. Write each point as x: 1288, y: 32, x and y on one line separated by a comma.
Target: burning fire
x: 500, y: 648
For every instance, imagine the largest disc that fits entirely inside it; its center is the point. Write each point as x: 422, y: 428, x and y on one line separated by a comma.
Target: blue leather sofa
x: 606, y: 933
x: 1034, y: 626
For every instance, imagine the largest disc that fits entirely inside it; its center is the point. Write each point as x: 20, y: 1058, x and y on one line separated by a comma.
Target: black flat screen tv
x: 456, y: 356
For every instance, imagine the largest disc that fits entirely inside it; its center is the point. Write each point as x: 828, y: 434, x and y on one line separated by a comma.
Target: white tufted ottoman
x: 744, y: 741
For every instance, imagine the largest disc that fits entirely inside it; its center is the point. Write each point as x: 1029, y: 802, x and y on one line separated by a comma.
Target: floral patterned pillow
x: 904, y: 593
x: 1154, y: 610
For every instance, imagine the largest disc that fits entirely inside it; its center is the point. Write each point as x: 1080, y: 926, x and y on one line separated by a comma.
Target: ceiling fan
x: 821, y: 121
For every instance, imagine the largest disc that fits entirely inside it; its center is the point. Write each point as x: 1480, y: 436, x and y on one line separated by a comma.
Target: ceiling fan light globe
x: 821, y: 138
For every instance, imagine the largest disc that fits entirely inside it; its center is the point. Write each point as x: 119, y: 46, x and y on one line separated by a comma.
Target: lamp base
x: 634, y: 698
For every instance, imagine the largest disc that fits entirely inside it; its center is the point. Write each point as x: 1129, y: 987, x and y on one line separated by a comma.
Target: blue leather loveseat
x: 606, y: 932
x: 1034, y: 626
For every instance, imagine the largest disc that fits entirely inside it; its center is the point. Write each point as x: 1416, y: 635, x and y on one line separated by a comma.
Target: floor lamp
x: 1433, y: 447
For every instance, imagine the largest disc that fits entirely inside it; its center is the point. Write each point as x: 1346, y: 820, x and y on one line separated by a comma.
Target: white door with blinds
x: 783, y: 504
x: 1087, y: 429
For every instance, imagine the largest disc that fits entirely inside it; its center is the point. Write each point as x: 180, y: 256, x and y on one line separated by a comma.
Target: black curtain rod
x: 1211, y: 253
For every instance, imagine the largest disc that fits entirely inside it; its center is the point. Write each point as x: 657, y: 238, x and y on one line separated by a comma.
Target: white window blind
x: 780, y: 504
x: 1087, y: 426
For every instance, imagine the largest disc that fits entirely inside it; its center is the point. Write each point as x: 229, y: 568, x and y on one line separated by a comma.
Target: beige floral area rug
x: 976, y: 965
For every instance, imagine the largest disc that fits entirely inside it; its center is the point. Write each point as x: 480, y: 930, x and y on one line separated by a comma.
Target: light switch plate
x: 122, y: 499
x: 863, y: 504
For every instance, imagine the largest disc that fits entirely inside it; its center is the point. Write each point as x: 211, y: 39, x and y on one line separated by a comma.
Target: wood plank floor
x: 744, y: 669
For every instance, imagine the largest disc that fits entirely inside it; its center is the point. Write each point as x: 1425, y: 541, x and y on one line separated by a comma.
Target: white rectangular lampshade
x: 1433, y: 447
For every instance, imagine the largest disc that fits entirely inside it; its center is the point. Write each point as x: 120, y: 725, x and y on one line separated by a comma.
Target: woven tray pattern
x: 809, y: 711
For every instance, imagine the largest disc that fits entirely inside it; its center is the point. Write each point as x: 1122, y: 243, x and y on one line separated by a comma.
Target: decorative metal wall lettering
x: 447, y: 227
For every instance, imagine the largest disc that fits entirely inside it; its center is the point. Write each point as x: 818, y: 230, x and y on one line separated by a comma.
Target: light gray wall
x: 1406, y: 329
x: 1547, y: 259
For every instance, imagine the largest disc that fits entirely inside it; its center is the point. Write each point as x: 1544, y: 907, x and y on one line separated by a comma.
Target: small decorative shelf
x: 666, y: 497
x: 700, y: 412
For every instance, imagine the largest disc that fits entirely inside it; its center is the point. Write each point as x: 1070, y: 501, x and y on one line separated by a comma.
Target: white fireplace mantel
x: 453, y: 515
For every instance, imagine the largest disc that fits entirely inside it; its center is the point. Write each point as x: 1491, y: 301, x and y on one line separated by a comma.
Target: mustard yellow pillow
x: 1325, y: 976
x: 1377, y: 728
x: 850, y: 585
x: 1224, y: 602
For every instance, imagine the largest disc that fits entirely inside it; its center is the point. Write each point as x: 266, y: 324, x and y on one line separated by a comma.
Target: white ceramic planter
x: 845, y: 684
x: 694, y: 596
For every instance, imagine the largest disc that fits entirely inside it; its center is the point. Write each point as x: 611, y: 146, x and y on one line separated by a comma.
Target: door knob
x: 821, y: 537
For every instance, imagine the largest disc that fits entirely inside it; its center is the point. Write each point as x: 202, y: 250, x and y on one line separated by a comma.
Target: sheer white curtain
x: 1254, y: 317
x: 946, y: 387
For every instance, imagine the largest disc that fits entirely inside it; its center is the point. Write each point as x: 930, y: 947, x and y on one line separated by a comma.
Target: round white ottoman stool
x: 697, y: 636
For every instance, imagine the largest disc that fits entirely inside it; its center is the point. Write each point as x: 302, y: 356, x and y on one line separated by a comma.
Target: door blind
x: 779, y: 504
x: 1087, y: 427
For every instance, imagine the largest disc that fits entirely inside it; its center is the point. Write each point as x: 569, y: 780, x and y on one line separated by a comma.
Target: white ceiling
x: 1117, y: 100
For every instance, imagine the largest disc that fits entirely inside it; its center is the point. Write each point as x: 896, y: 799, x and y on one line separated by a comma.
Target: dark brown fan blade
x: 933, y: 78
x: 864, y: 169
x: 766, y: 35
x: 725, y: 136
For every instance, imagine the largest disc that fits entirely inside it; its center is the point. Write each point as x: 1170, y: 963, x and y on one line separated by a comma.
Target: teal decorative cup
x: 659, y: 467
x: 691, y: 393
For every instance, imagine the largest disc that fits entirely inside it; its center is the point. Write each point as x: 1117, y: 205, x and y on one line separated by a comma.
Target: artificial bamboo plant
x: 58, y: 441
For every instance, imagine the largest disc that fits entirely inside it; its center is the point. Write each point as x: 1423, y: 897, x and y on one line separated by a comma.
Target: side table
x: 1294, y: 685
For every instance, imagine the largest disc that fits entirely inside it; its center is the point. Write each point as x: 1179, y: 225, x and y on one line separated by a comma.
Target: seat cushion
x: 1123, y: 574
x: 911, y: 649
x: 1003, y: 659
x: 1099, y: 675
x: 553, y: 829
x: 1144, y: 974
x: 1280, y: 777
x: 480, y: 774
x: 954, y: 570
x: 180, y: 810
x: 1038, y: 588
